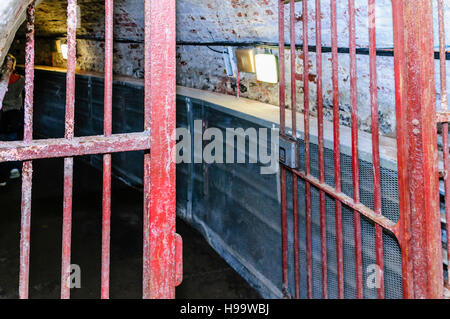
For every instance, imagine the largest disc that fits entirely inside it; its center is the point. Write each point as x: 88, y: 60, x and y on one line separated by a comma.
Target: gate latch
x: 289, y: 152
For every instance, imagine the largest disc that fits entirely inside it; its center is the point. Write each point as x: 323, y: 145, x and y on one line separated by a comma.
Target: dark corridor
x: 206, y: 275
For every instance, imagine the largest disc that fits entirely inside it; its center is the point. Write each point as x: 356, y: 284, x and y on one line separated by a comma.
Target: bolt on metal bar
x: 355, y: 153
x: 444, y: 107
x: 69, y: 134
x: 307, y: 149
x: 337, y: 152
x: 27, y: 169
x: 376, y: 148
x: 323, y: 220
x: 106, y: 220
x: 294, y: 134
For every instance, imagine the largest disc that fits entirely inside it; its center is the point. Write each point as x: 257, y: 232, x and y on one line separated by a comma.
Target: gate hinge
x: 178, y: 260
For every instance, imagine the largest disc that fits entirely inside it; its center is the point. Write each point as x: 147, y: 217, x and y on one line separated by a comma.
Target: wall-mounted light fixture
x: 64, y: 51
x: 246, y: 60
x: 266, y: 68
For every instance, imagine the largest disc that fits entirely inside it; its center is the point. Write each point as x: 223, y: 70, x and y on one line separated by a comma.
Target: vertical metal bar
x: 284, y: 238
x: 402, y: 147
x: 337, y: 152
x: 323, y: 218
x: 146, y: 276
x: 238, y: 80
x: 27, y: 169
x: 282, y: 96
x: 68, y: 162
x: 355, y: 154
x: 307, y: 149
x: 106, y: 222
x: 376, y: 148
x: 423, y: 236
x: 160, y: 115
x: 282, y: 63
x: 444, y: 107
x: 293, y: 70
x: 294, y: 134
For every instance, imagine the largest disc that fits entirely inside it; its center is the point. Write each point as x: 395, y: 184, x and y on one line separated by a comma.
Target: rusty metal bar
x: 68, y: 162
x: 376, y: 148
x: 27, y: 169
x: 284, y: 238
x: 282, y: 66
x: 416, y: 121
x: 355, y: 153
x: 106, y: 221
x: 307, y: 149
x: 294, y: 134
x: 77, y: 146
x: 323, y: 218
x: 384, y: 222
x: 146, y: 284
x: 160, y: 114
x: 402, y: 146
x: 444, y: 107
x: 282, y: 97
x: 337, y: 152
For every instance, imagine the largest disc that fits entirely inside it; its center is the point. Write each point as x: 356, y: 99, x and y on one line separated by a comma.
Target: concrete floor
x: 206, y: 275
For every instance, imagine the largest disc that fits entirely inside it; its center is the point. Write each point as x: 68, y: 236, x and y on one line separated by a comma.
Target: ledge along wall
x: 235, y: 207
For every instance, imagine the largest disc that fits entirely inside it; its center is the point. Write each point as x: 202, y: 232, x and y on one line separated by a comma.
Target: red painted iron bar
x: 294, y: 133
x: 68, y: 162
x: 284, y: 238
x: 337, y: 152
x: 355, y: 153
x: 77, y: 146
x: 106, y: 220
x: 160, y: 115
x: 384, y: 222
x: 323, y: 218
x: 146, y: 284
x: 27, y: 169
x: 402, y: 146
x: 282, y: 63
x: 282, y: 97
x: 444, y: 107
x: 424, y: 233
x: 376, y: 146
x: 307, y: 149
x: 442, y: 51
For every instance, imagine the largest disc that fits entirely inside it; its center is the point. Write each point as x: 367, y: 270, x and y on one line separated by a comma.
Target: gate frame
x: 418, y: 229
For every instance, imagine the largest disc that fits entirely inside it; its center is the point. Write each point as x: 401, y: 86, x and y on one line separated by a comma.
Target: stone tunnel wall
x: 234, y: 22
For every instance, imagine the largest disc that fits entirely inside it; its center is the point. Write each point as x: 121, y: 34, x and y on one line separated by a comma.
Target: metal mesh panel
x: 392, y: 256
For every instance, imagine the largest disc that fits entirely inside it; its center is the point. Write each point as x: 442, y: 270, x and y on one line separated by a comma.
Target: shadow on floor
x: 206, y: 275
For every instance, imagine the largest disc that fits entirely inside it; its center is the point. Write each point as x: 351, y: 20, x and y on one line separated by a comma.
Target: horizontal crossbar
x: 443, y: 116
x: 384, y: 222
x: 77, y: 146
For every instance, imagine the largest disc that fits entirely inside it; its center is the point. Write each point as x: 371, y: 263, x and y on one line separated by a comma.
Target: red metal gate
x: 162, y: 253
x: 418, y: 230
